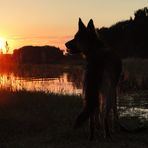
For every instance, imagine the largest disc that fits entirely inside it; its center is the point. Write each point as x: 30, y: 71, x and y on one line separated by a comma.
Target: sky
x: 53, y: 22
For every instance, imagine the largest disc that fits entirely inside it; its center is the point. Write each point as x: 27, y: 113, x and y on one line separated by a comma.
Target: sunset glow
x: 2, y: 45
x: 53, y: 22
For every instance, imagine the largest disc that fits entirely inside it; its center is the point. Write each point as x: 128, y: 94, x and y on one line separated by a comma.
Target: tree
x: 141, y: 13
x: 7, y: 47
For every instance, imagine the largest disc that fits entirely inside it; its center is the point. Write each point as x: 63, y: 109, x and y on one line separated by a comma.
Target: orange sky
x: 53, y: 22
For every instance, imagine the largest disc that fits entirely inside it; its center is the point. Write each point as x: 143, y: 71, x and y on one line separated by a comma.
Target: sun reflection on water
x: 59, y: 85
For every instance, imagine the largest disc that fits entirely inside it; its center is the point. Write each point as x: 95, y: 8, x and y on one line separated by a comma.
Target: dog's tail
x: 83, y: 117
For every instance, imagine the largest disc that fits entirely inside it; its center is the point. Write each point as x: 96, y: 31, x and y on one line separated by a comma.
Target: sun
x: 2, y: 45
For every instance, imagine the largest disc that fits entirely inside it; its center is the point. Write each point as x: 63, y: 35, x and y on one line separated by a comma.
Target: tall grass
x: 60, y: 79
x: 39, y: 120
x: 135, y: 74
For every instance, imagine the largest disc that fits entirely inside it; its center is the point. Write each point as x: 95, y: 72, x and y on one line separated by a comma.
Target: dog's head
x: 84, y: 39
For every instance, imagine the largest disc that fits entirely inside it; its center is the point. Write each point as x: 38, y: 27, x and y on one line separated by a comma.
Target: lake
x: 46, y: 78
x: 67, y: 79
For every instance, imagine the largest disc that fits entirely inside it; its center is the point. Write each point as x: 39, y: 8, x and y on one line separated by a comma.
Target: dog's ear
x: 91, y: 26
x: 82, y: 27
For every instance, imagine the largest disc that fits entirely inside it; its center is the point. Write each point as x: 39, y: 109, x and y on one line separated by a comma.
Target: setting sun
x: 2, y: 45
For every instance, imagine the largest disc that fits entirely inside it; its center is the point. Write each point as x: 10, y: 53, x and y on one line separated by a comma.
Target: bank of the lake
x: 39, y: 120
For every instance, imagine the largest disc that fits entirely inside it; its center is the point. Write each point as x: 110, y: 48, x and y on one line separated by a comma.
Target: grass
x: 38, y: 120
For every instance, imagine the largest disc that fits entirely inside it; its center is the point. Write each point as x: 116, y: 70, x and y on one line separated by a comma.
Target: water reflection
x: 60, y: 85
x: 64, y: 79
x: 134, y: 104
x: 68, y: 80
x: 134, y: 112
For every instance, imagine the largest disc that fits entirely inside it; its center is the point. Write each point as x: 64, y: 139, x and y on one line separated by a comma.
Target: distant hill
x: 42, y: 55
x: 128, y: 38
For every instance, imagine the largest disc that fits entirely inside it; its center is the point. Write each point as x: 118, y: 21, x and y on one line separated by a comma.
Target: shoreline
x: 36, y: 119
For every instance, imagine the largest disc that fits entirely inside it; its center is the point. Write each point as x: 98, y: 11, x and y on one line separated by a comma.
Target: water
x: 59, y: 85
x: 46, y: 78
x: 133, y: 100
x: 134, y: 105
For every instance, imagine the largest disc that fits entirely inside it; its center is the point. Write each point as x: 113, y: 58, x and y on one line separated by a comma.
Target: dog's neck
x: 96, y: 52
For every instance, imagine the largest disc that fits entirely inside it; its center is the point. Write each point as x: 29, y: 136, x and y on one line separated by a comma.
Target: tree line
x: 42, y: 55
x: 128, y: 38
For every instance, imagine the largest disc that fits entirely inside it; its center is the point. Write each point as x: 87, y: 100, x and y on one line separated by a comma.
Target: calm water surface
x: 133, y: 99
x: 50, y: 79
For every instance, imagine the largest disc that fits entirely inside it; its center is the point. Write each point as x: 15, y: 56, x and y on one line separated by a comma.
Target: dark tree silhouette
x: 42, y: 55
x: 7, y: 47
x: 141, y: 13
x: 128, y: 38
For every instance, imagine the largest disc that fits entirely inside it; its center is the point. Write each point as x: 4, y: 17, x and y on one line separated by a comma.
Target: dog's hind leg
x: 106, y: 124
x: 115, y: 111
x: 114, y: 124
x: 106, y: 120
x: 92, y: 127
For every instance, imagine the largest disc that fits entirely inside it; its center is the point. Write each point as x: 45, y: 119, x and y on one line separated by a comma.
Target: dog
x: 102, y: 74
